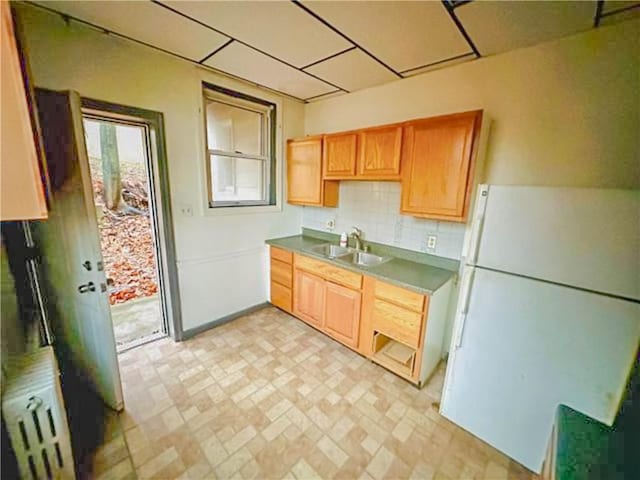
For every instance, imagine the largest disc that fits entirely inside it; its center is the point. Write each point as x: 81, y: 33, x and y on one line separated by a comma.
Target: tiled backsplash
x: 374, y: 207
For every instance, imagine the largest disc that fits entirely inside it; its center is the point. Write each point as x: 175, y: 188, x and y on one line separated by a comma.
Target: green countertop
x: 421, y: 273
x: 582, y: 445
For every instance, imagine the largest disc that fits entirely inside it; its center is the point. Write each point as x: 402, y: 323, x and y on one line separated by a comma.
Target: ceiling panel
x: 404, y: 35
x: 246, y: 63
x: 445, y: 63
x: 324, y: 97
x: 279, y: 28
x: 352, y: 70
x: 618, y: 11
x: 613, y: 5
x: 146, y: 22
x: 497, y: 26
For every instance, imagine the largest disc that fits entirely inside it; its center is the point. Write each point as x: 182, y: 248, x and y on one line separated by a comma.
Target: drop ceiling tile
x: 352, y: 71
x: 443, y: 64
x: 613, y: 5
x: 619, y: 11
x: 325, y: 96
x: 497, y: 26
x: 404, y: 35
x: 146, y: 22
x: 249, y: 64
x: 279, y: 28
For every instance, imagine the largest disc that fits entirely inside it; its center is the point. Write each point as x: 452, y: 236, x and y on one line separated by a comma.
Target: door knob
x: 87, y: 287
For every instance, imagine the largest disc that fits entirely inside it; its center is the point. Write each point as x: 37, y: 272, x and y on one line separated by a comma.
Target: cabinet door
x: 21, y: 191
x: 342, y: 314
x: 437, y: 161
x: 340, y: 155
x: 380, y: 153
x: 304, y: 171
x: 309, y: 292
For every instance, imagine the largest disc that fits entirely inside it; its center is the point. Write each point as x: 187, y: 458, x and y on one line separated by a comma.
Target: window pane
x: 234, y: 129
x: 237, y: 179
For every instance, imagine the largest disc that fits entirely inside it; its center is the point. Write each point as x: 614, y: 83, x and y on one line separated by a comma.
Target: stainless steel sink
x: 331, y: 251
x: 363, y: 259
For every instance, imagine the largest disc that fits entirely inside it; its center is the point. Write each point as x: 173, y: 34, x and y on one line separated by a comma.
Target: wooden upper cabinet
x: 339, y: 155
x: 22, y: 194
x: 342, y: 313
x: 304, y: 174
x: 438, y: 157
x: 309, y: 293
x: 379, y: 153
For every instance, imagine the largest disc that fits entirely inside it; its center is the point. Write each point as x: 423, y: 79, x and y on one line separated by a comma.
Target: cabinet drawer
x: 400, y: 296
x: 283, y: 255
x: 281, y: 273
x: 329, y: 272
x: 281, y: 296
x: 396, y: 322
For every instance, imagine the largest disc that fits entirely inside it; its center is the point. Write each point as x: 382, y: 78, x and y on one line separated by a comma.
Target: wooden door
x: 72, y: 262
x: 309, y: 297
x: 342, y: 313
x: 304, y: 171
x: 437, y: 162
x: 339, y: 155
x: 380, y: 150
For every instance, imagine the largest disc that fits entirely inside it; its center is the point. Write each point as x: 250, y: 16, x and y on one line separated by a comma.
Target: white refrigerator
x: 548, y: 313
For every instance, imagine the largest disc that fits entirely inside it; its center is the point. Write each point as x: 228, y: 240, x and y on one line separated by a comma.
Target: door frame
x: 160, y: 195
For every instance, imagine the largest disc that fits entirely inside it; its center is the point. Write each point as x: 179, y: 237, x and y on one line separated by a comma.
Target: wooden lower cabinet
x: 400, y: 329
x: 342, y: 313
x: 281, y: 278
x: 281, y: 296
x: 309, y: 297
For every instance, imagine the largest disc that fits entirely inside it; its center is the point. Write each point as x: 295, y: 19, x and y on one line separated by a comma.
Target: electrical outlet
x: 431, y: 242
x: 186, y: 210
x: 331, y: 224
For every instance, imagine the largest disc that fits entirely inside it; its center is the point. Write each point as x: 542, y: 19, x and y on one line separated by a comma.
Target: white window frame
x: 213, y: 93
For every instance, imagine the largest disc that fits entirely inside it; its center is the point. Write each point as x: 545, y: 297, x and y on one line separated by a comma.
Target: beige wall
x: 564, y: 113
x: 221, y: 259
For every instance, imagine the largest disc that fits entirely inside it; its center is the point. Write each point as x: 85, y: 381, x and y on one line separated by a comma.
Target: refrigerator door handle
x: 478, y: 224
x: 475, y: 239
x: 465, y: 298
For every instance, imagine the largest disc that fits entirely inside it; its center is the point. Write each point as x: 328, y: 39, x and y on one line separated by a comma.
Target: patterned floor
x: 268, y: 397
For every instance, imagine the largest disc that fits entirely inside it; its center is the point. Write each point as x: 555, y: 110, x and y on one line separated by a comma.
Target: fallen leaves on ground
x: 126, y: 237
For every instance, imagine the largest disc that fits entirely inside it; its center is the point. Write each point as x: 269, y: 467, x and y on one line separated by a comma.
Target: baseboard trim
x: 192, y: 332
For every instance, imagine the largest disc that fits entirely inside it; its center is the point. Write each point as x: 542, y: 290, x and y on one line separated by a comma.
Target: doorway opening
x: 122, y: 181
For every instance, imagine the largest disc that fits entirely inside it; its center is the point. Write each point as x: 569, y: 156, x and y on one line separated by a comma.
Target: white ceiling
x: 497, y: 27
x: 404, y: 35
x: 317, y: 49
x: 148, y: 23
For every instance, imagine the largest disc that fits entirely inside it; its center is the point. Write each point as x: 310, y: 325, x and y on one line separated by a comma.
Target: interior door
x: 71, y: 254
x: 527, y: 346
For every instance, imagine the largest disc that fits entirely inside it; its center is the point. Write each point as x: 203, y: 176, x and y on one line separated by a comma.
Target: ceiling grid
x: 310, y: 50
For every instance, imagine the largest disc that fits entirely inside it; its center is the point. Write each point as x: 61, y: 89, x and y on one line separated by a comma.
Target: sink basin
x: 331, y: 251
x: 363, y: 259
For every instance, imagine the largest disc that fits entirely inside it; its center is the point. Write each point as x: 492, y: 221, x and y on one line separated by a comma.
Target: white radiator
x: 34, y: 413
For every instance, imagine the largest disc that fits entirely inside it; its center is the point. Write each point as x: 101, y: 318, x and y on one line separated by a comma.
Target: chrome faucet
x: 356, y: 234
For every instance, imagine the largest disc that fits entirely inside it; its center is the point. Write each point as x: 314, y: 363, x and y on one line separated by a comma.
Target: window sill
x: 216, y: 211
